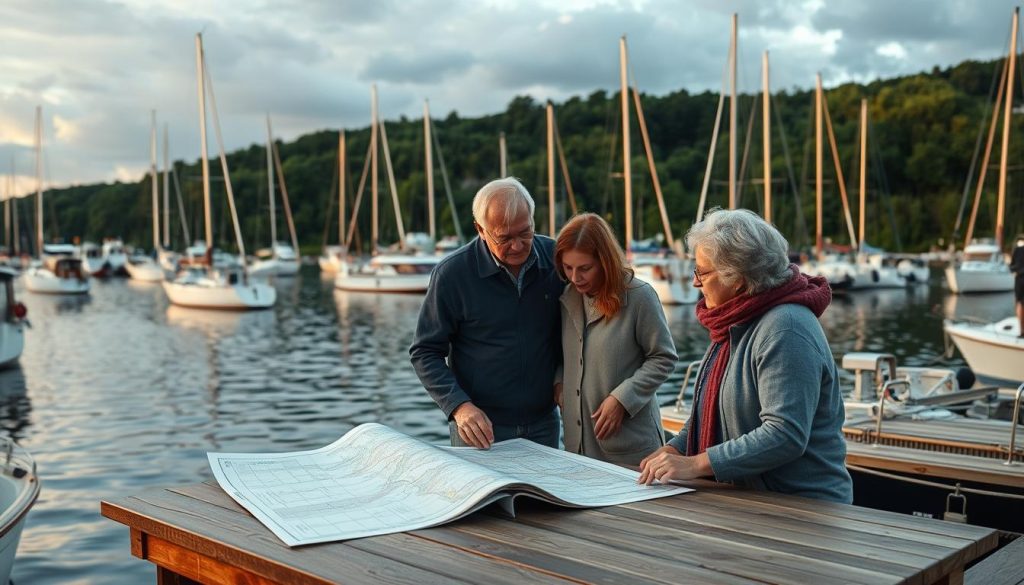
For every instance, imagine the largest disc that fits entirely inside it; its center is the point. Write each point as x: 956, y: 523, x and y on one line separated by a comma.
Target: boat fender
x: 965, y: 378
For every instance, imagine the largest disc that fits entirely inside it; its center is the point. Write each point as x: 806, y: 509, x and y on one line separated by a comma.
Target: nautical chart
x: 375, y: 480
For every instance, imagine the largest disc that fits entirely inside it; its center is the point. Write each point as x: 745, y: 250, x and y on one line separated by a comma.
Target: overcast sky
x: 98, y: 67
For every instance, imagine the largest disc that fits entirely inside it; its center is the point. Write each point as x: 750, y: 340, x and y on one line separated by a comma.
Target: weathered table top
x: 714, y: 535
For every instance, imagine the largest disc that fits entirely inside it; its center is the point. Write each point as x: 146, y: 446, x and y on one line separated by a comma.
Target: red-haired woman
x: 616, y: 347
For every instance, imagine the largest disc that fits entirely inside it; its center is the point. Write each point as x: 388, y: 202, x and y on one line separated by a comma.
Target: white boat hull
x: 274, y: 267
x: 255, y: 295
x: 17, y: 496
x: 41, y: 280
x: 994, y: 351
x: 976, y: 277
x: 385, y: 283
x: 12, y: 343
x: 670, y: 277
x: 145, y: 270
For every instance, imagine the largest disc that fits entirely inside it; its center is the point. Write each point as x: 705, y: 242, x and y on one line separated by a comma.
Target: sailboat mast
x: 863, y: 168
x: 767, y: 137
x: 627, y: 175
x: 732, y: 111
x: 551, y: 168
x: 342, y: 165
x: 14, y: 212
x: 502, y: 155
x: 167, y: 192
x: 373, y: 169
x: 819, y: 248
x: 1007, y: 113
x: 154, y: 181
x: 428, y: 153
x: 270, y: 187
x: 200, y: 87
x: 39, y: 181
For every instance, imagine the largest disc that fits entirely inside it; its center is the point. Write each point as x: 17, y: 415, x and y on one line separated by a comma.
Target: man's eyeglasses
x: 700, y: 275
x: 503, y: 241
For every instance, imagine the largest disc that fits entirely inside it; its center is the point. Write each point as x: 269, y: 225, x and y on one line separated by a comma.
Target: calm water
x: 118, y: 392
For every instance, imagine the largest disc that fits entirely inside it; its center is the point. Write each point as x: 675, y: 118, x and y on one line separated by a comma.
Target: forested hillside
x: 924, y: 130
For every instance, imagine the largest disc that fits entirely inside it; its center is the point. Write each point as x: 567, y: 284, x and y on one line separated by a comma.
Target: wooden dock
x: 718, y: 534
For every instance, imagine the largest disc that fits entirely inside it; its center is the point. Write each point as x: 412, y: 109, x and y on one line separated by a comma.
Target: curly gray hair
x: 507, y: 192
x: 742, y: 247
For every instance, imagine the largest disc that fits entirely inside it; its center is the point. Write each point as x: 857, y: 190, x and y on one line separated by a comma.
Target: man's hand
x: 667, y: 463
x: 558, y: 394
x: 608, y: 417
x: 474, y: 426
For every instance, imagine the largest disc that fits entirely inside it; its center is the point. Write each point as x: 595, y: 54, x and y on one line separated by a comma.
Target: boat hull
x: 145, y: 271
x: 980, y: 279
x: 241, y: 297
x: 384, y: 283
x: 994, y: 351
x: 43, y: 281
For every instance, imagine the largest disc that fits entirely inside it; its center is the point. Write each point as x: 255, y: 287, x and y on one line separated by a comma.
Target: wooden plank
x: 199, y: 568
x: 936, y: 464
x: 241, y: 541
x: 853, y: 539
x: 983, y: 539
x: 719, y: 554
x: 401, y: 548
x: 1003, y: 567
x: 397, y: 547
x: 592, y: 562
x: 842, y: 542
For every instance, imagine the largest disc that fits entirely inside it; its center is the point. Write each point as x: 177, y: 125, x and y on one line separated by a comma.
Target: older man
x: 492, y: 310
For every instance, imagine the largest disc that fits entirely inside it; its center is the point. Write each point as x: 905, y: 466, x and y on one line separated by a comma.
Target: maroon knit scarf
x: 813, y: 293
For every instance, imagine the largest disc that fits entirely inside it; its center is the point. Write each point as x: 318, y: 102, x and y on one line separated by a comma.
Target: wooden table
x: 196, y: 533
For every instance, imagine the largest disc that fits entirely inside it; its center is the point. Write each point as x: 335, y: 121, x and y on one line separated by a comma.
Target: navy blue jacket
x: 503, y: 349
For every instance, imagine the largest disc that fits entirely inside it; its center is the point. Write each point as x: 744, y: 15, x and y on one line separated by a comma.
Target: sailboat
x: 56, y: 271
x: 667, y: 272
x: 206, y: 285
x: 866, y: 270
x: 994, y: 351
x: 386, y: 273
x: 12, y: 319
x: 982, y: 267
x: 145, y: 268
x: 280, y: 259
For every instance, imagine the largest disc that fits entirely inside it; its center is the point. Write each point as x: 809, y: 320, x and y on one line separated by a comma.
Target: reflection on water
x: 118, y: 391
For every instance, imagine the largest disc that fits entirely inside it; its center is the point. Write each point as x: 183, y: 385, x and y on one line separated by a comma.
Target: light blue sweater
x: 780, y: 409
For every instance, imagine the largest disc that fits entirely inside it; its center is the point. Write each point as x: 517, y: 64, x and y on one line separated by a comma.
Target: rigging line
x: 565, y: 170
x: 802, y: 225
x: 974, y: 157
x: 447, y: 184
x: 328, y: 217
x: 882, y: 181
x: 988, y: 153
x: 666, y: 224
x: 740, y: 179
x: 711, y: 147
x: 839, y: 171
x: 224, y: 168
x: 611, y: 119
x: 181, y: 205
x: 934, y: 484
x: 359, y: 198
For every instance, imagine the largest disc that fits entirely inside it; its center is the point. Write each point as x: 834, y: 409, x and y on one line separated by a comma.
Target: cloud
x: 99, y: 66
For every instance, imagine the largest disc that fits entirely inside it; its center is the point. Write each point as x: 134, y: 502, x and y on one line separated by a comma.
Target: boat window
x: 6, y: 298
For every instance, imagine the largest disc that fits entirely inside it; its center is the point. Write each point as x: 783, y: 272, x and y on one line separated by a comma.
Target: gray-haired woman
x: 767, y: 410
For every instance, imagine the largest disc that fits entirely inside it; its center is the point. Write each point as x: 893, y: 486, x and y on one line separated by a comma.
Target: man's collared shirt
x: 518, y: 281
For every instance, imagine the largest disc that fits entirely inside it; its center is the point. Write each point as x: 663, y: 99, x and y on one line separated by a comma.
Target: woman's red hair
x: 590, y: 234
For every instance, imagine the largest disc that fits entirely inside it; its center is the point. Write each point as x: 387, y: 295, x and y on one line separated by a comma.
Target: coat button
x: 579, y: 423
x: 577, y: 392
